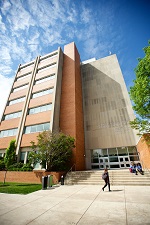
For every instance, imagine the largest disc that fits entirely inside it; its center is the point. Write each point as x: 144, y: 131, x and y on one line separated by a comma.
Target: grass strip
x: 19, y: 188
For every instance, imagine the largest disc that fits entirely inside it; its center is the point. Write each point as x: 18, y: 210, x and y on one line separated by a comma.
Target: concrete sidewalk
x: 78, y: 204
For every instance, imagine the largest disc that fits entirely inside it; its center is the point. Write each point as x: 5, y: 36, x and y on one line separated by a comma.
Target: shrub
x: 15, y: 167
x: 20, y: 167
x: 27, y: 167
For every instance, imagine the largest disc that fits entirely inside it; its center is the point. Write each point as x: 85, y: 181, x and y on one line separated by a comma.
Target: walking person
x: 105, y: 177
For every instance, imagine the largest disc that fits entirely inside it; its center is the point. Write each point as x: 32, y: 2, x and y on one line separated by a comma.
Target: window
x: 20, y: 88
x: 26, y: 65
x: 49, y: 56
x: 24, y: 76
x: 47, y: 67
x: 7, y: 133
x: 13, y: 115
x: 37, y: 128
x: 41, y: 108
x: 112, y: 152
x: 22, y: 156
x: 52, y: 76
x: 16, y: 101
x: 41, y: 93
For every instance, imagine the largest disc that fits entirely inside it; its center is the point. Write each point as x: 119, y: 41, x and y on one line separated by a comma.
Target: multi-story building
x: 87, y: 100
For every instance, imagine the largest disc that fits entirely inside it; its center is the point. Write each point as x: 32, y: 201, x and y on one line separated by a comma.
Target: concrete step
x: 117, y: 177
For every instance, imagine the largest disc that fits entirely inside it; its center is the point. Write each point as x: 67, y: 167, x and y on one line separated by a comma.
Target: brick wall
x: 144, y: 152
x: 34, y: 177
x: 71, y: 112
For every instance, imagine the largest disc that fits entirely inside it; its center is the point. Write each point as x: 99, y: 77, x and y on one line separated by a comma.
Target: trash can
x: 50, y: 181
x: 44, y: 182
x: 62, y: 180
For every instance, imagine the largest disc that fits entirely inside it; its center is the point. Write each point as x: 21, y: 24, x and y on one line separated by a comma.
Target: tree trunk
x: 5, y: 176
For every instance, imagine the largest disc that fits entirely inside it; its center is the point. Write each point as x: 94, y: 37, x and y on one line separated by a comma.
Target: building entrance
x: 113, y: 158
x: 124, y: 161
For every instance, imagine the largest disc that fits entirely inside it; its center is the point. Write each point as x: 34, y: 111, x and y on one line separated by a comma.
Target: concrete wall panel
x: 9, y: 124
x: 43, y: 117
x: 18, y: 94
x: 22, y: 82
x: 27, y: 138
x: 45, y: 73
x: 25, y: 70
x: 4, y: 142
x: 45, y: 99
x: 47, y: 61
x: 43, y: 86
x: 14, y: 108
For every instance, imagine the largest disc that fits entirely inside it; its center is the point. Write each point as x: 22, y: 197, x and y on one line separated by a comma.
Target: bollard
x: 44, y: 182
x: 50, y: 181
x: 62, y: 180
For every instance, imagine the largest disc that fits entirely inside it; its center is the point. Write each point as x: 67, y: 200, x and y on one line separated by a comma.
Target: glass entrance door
x: 124, y: 161
x: 113, y: 158
x: 103, y: 162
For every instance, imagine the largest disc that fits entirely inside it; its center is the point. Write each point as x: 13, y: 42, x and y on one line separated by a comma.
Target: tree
x: 53, y: 149
x: 140, y: 94
x: 10, y: 156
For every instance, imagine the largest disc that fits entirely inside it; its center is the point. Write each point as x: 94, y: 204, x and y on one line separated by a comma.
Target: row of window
x: 20, y: 88
x: 47, y: 67
x: 49, y: 56
x: 37, y: 128
x: 35, y: 95
x: 52, y: 76
x: 7, y: 133
x: 41, y: 93
x: 40, y: 109
x: 28, y: 129
x: 24, y: 76
x: 16, y: 100
x: 26, y: 65
x: 13, y: 115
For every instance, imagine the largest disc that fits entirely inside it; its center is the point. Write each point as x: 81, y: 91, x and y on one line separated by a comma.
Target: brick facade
x: 144, y: 152
x: 34, y: 177
x: 71, y: 111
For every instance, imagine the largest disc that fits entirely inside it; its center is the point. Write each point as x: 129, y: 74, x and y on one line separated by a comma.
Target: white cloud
x: 2, y: 25
x: 5, y: 85
x: 6, y: 7
x: 18, y: 17
x: 86, y: 15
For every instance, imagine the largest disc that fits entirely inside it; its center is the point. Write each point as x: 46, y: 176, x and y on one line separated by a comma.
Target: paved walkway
x: 78, y: 204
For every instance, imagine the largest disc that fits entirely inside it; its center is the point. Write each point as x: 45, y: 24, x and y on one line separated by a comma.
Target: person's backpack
x: 104, y: 176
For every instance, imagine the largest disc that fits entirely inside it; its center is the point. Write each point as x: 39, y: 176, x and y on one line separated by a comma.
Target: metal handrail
x: 74, y: 165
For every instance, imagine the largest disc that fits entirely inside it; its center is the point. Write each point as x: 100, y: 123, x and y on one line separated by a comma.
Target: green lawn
x: 19, y: 188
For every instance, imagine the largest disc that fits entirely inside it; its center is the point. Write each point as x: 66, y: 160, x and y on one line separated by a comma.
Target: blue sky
x: 36, y: 27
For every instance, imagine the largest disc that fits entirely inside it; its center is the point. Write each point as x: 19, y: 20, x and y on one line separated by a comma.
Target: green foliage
x: 20, y: 167
x: 140, y: 93
x: 15, y: 166
x: 9, y: 158
x: 54, y: 150
x: 33, y: 157
x: 143, y: 126
x: 27, y: 167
